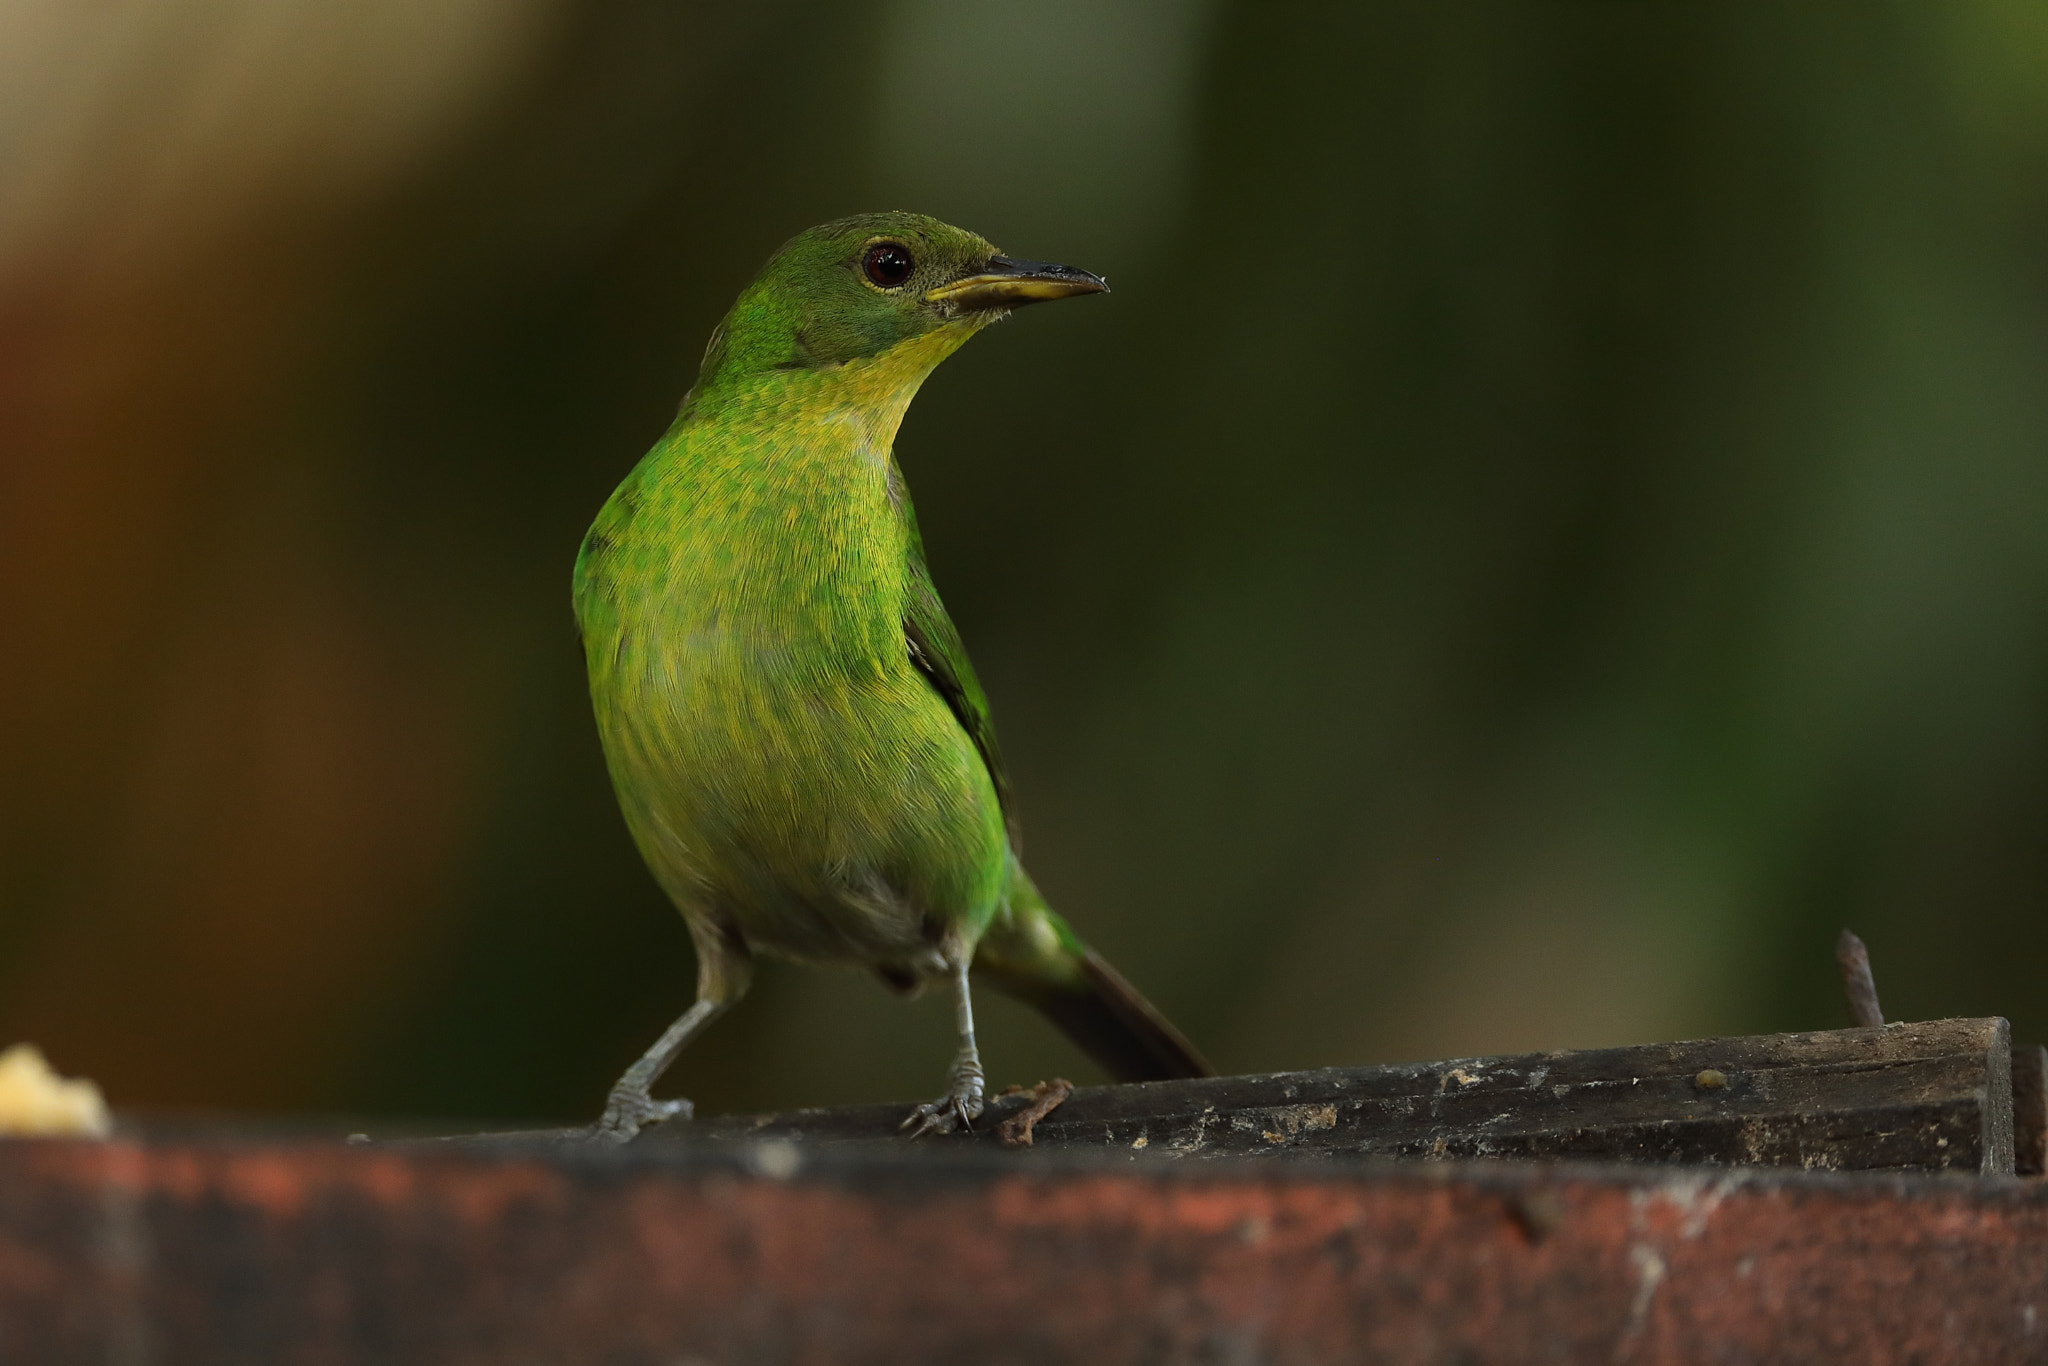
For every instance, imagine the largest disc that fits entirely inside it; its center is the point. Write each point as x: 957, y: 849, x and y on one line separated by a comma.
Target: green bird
x: 798, y: 742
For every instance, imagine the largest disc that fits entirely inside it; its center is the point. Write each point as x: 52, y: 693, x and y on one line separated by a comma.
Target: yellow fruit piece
x: 34, y: 1100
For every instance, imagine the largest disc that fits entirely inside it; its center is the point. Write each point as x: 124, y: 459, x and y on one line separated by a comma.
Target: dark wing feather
x: 1055, y: 972
x: 937, y: 652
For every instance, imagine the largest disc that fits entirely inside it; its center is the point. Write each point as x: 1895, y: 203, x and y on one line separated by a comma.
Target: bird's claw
x: 626, y: 1112
x: 950, y: 1114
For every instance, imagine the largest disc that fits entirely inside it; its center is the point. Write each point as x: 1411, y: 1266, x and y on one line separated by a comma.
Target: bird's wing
x: 937, y: 652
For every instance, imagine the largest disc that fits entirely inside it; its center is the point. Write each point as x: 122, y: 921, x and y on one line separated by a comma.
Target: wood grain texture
x: 228, y: 1252
x: 1933, y: 1096
x: 2030, y: 1109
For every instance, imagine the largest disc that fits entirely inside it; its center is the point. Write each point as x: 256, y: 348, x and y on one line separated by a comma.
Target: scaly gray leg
x: 965, y: 1084
x: 724, y: 971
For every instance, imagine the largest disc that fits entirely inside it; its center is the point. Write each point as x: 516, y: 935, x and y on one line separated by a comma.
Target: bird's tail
x: 1032, y: 954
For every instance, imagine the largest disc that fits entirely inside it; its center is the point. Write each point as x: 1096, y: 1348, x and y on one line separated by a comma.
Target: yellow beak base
x: 1005, y: 283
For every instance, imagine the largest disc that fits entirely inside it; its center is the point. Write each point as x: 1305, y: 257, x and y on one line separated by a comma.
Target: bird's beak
x: 1004, y: 283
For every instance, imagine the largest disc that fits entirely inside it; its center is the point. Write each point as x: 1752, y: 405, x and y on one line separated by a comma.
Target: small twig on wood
x: 1857, y: 983
x: 1045, y: 1098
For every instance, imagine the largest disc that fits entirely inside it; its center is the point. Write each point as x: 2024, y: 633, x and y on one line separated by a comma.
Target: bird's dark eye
x: 888, y: 264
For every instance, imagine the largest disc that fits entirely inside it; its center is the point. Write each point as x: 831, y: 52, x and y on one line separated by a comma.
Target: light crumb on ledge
x: 35, y: 1101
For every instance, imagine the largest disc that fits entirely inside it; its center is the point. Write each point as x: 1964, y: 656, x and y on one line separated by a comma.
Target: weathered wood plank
x: 224, y: 1252
x: 2030, y: 1109
x: 1928, y: 1097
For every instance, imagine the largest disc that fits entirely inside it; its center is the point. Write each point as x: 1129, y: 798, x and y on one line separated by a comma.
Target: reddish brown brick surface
x: 218, y: 1252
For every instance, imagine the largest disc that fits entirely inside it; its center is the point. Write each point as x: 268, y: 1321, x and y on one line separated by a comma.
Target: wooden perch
x: 229, y: 1249
x: 1926, y: 1097
x: 817, y: 1236
x: 2030, y: 1109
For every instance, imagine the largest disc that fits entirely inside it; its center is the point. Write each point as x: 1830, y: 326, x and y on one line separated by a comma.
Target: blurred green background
x: 1551, y: 525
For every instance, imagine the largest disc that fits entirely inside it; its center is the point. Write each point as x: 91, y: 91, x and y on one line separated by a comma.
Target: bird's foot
x: 954, y: 1113
x: 627, y: 1111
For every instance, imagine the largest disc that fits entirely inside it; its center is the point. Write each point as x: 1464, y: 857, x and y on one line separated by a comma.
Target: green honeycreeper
x: 799, y: 744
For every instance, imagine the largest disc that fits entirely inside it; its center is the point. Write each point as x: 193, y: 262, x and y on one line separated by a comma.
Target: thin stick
x: 1046, y: 1097
x: 1857, y: 983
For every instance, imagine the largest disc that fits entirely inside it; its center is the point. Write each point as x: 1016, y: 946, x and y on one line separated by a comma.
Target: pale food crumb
x: 34, y: 1100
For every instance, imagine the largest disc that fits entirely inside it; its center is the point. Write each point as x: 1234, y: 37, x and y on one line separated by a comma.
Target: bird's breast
x: 750, y: 547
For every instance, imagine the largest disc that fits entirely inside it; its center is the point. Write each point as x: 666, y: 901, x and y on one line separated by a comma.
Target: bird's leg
x: 724, y: 970
x: 630, y: 1106
x: 965, y: 1083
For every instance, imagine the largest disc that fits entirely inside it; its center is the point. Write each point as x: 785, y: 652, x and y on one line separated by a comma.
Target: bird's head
x: 863, y: 286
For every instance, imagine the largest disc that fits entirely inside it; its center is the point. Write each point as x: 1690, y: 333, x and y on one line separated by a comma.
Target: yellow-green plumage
x: 798, y: 742
x: 778, y: 755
